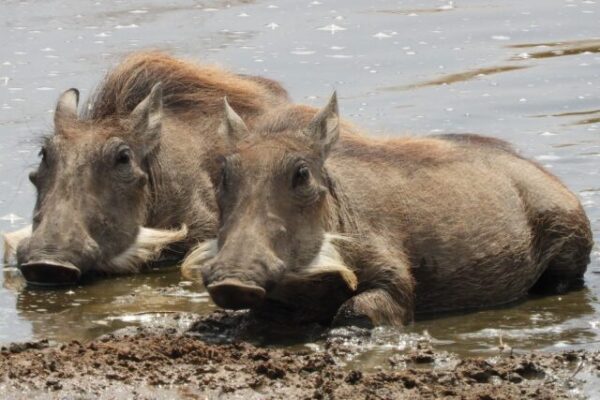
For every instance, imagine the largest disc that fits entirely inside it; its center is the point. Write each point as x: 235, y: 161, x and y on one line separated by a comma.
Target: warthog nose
x: 235, y: 294
x: 50, y: 273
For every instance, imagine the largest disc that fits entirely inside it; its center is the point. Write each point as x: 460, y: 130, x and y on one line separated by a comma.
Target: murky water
x: 527, y: 72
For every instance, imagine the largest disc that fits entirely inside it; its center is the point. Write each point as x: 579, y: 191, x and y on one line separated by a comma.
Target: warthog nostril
x: 50, y: 273
x: 235, y: 294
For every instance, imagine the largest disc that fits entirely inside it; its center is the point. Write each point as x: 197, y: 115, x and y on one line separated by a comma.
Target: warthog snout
x: 50, y: 273
x: 237, y: 288
x: 236, y: 295
x: 49, y: 258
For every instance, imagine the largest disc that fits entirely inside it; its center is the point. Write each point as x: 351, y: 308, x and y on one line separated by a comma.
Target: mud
x: 196, y: 362
x: 525, y: 72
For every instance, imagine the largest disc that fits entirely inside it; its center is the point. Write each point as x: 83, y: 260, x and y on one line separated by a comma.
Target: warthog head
x: 273, y: 194
x: 92, y: 187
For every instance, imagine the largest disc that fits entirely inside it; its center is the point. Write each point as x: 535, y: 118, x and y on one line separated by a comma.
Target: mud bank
x: 146, y: 363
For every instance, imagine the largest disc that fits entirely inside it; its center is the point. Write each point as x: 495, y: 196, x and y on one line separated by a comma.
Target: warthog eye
x: 301, y: 176
x: 124, y: 156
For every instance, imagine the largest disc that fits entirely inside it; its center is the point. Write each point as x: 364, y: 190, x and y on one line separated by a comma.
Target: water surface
x: 527, y: 72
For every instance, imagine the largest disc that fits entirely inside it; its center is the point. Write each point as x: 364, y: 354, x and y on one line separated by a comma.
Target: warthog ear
x: 146, y: 120
x: 66, y: 109
x: 232, y: 126
x: 324, y: 129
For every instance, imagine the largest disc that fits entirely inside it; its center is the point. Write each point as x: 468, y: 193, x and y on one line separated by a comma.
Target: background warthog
x: 129, y: 176
x: 430, y: 224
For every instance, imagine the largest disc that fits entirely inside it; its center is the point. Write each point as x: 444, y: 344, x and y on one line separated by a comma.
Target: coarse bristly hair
x: 186, y: 87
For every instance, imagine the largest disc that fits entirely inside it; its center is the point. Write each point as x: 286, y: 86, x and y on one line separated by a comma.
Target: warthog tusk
x: 11, y: 242
x: 148, y: 246
x: 200, y: 254
x: 327, y: 262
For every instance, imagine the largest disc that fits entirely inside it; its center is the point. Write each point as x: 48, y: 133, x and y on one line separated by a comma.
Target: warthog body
x: 410, y: 225
x: 130, y: 175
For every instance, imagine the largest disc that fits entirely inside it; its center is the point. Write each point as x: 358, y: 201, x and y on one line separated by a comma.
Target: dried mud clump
x: 170, y: 364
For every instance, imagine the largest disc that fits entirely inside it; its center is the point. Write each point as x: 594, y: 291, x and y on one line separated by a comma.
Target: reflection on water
x: 587, y: 121
x: 447, y: 6
x: 571, y: 113
x: 460, y: 77
x: 557, y: 49
x: 87, y: 311
x: 429, y: 55
x: 542, y: 322
x: 584, y: 121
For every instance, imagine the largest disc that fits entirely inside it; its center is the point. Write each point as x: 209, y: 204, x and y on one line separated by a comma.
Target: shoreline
x: 151, y: 363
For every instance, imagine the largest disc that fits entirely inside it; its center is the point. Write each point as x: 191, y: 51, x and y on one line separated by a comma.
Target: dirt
x: 215, y: 359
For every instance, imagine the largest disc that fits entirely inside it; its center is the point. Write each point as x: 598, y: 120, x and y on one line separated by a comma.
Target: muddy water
x: 527, y: 72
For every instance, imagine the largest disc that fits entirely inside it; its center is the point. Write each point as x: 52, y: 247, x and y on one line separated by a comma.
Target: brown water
x: 527, y: 72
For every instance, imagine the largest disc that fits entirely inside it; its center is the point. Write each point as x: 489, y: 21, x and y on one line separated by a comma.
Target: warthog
x: 130, y: 176
x: 409, y: 225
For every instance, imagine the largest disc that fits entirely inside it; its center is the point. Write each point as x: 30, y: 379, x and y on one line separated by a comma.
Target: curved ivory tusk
x: 199, y: 255
x: 148, y: 246
x: 11, y: 242
x: 327, y: 262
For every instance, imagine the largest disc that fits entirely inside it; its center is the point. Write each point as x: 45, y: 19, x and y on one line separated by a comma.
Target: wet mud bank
x: 198, y: 362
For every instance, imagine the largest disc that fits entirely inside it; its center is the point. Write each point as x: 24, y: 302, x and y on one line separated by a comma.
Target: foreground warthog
x: 130, y: 175
x: 411, y: 225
